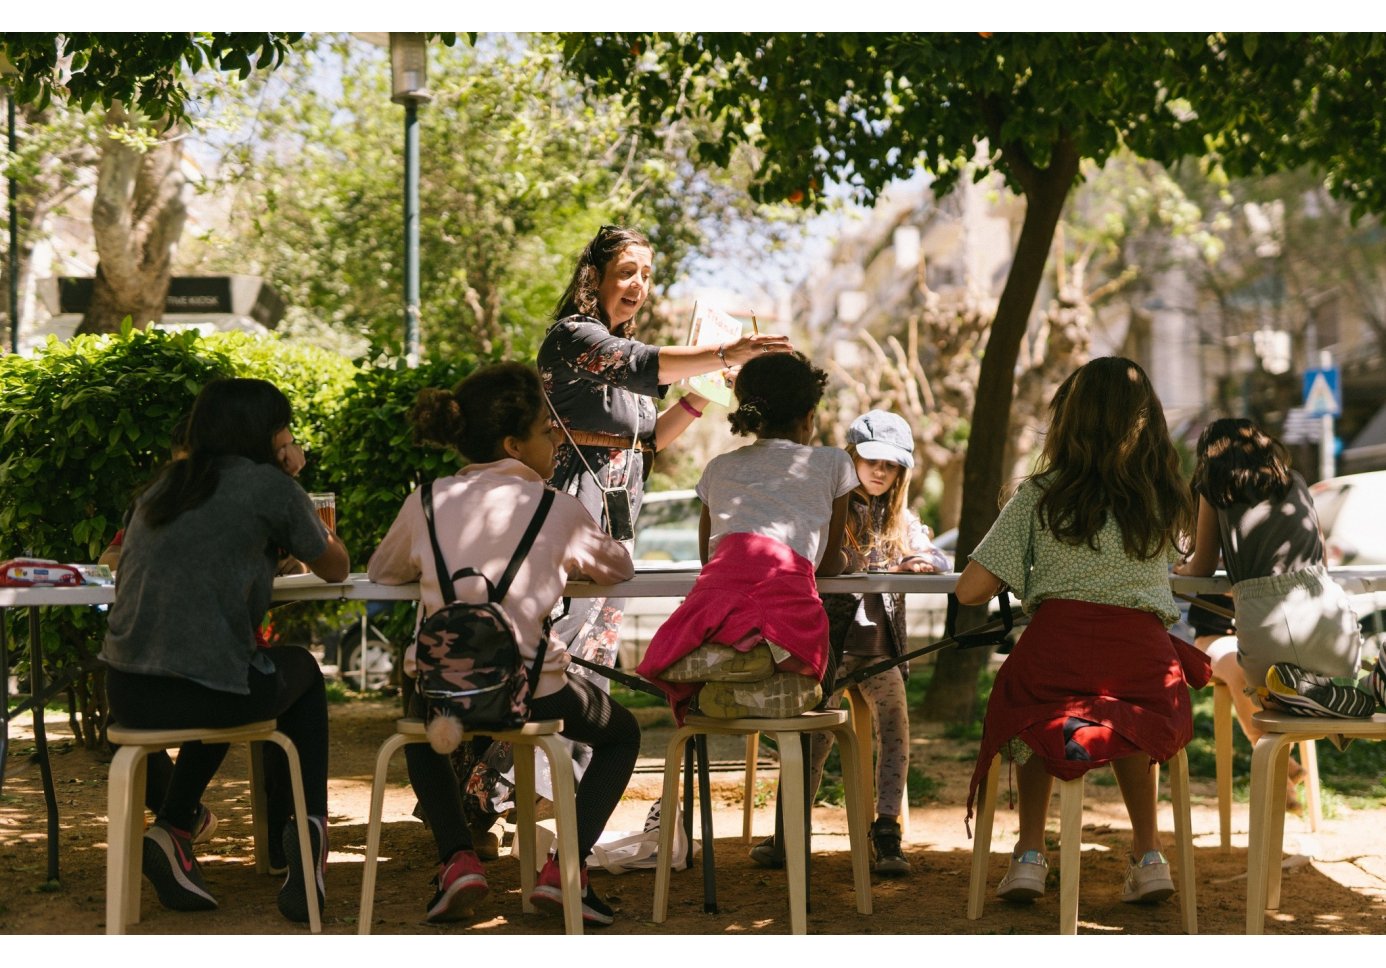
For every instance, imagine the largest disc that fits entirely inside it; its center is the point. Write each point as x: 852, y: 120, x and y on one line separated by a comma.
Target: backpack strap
x: 439, y: 565
x: 535, y: 523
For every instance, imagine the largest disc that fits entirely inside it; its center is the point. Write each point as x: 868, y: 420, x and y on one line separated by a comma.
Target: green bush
x: 84, y: 424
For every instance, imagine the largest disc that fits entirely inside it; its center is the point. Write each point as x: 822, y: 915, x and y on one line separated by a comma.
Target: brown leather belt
x: 595, y: 438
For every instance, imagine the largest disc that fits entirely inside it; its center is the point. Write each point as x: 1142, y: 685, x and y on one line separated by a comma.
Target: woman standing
x: 602, y: 383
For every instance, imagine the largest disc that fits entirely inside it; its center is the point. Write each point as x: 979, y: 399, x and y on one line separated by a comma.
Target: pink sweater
x: 480, y: 514
x: 753, y: 587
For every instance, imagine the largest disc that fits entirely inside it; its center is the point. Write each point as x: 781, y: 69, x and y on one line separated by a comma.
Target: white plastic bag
x: 619, y: 852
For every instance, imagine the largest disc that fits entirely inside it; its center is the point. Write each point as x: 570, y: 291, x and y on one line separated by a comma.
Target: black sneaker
x: 293, y: 902
x: 888, y: 859
x: 548, y: 895
x: 768, y: 854
x: 1310, y: 694
x: 205, y: 825
x: 173, y: 870
x: 1378, y: 683
x: 595, y: 911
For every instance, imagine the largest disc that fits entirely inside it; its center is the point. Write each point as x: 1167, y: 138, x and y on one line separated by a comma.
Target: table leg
x: 705, y: 811
x: 50, y: 798
x: 4, y: 697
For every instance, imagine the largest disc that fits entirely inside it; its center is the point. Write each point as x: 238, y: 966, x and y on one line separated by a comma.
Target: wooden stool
x: 787, y: 733
x: 861, y: 725
x: 541, y: 734
x: 125, y: 810
x: 1222, y: 749
x: 1269, y: 767
x: 1071, y: 844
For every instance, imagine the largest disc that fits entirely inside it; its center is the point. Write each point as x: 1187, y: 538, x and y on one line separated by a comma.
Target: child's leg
x: 1222, y: 654
x: 1035, y: 785
x: 885, y: 694
x: 434, y: 783
x: 1136, y: 778
x: 591, y: 716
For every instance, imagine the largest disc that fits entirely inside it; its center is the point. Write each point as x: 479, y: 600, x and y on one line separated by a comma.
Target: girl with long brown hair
x: 1087, y: 542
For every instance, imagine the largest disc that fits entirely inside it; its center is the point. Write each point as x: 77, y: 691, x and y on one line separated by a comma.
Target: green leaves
x: 144, y: 70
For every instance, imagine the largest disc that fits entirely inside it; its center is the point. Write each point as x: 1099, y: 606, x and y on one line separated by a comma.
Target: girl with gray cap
x: 882, y: 534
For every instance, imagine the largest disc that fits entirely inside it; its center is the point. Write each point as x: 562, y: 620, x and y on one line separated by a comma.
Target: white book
x: 712, y: 327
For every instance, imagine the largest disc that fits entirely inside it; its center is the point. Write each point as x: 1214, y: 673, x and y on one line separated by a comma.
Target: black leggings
x: 589, y: 716
x: 294, y: 696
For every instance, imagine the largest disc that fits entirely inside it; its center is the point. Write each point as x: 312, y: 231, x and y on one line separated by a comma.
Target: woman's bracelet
x: 683, y: 402
x: 722, y: 354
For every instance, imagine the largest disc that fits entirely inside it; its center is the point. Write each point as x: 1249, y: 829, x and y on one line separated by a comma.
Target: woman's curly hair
x: 774, y: 392
x: 475, y: 417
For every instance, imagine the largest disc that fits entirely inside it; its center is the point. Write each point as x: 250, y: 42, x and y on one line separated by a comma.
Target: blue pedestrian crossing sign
x: 1322, y: 397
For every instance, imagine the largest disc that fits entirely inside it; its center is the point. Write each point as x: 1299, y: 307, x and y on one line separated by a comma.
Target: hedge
x: 84, y: 424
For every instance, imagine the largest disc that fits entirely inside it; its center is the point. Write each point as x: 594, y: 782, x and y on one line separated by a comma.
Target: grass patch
x: 922, y: 788
x: 633, y: 699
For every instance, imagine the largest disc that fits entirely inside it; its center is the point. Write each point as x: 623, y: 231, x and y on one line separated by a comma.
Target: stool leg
x: 981, y: 841
x: 305, y: 845
x: 565, y: 816
x: 382, y: 766
x: 124, y: 820
x: 526, y: 837
x: 1275, y: 829
x: 1070, y: 852
x: 1309, y: 759
x: 1264, y: 802
x: 259, y: 811
x: 1222, y: 755
x: 1183, y: 837
x: 857, y: 817
x: 668, y: 808
x: 748, y: 795
x: 792, y: 800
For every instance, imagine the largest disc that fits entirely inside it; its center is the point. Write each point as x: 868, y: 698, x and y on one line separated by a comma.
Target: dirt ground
x: 1334, y: 884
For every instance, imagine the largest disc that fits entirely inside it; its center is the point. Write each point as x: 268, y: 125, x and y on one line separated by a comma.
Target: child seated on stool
x: 772, y: 519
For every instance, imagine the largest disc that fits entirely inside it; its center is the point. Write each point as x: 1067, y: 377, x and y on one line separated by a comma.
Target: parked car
x: 1354, y: 533
x: 666, y: 531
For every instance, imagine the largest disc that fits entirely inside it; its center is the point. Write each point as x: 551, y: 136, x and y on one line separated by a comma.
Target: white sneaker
x: 1024, y: 880
x: 1148, y: 880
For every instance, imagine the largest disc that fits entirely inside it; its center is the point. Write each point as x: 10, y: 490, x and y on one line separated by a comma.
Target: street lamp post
x: 6, y: 70
x: 409, y: 82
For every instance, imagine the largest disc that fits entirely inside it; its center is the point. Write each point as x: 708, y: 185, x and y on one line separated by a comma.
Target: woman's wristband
x: 683, y: 402
x: 722, y: 354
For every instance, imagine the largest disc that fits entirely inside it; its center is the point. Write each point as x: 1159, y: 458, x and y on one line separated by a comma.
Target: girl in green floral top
x: 1087, y: 543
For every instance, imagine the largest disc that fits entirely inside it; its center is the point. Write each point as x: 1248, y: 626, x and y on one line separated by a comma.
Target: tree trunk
x: 137, y: 217
x: 952, y: 694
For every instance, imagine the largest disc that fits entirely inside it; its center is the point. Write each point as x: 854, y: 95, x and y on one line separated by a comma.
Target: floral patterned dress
x: 600, y: 382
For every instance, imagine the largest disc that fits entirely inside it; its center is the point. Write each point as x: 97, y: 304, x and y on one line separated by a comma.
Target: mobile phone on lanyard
x: 620, y: 523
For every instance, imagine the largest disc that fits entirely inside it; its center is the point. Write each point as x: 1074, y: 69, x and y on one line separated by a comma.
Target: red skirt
x: 1087, y: 684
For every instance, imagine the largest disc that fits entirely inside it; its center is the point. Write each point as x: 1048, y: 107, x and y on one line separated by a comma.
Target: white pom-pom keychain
x: 444, y: 732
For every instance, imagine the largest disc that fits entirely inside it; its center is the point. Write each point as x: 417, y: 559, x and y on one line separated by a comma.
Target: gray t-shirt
x: 1271, y: 537
x: 190, y: 594
x: 779, y: 489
